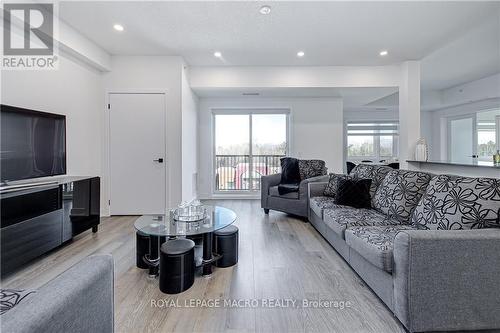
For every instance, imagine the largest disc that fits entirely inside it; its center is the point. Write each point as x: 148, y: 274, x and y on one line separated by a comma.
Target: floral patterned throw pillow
x: 399, y: 194
x: 452, y: 202
x: 333, y: 184
x: 311, y: 168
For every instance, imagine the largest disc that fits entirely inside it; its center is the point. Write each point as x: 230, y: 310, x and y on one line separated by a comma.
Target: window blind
x: 373, y: 128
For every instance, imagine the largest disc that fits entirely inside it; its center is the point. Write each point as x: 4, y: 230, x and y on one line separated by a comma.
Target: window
x: 362, y: 146
x: 386, y: 146
x: 248, y: 145
x: 372, y: 140
x: 486, y: 124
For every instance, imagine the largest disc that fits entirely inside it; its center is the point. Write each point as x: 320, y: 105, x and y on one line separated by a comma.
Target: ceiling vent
x: 250, y: 94
x: 381, y: 109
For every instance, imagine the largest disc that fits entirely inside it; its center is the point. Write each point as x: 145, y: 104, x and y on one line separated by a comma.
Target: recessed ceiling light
x: 118, y: 27
x: 217, y: 54
x: 384, y: 53
x: 264, y: 10
x: 300, y: 54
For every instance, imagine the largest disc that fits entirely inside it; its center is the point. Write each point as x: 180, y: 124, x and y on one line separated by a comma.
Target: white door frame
x: 106, y: 147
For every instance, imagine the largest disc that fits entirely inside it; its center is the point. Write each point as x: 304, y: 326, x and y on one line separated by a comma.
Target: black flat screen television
x: 33, y: 144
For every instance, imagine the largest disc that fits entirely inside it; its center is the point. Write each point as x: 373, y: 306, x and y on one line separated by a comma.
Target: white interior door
x: 137, y: 131
x: 461, y: 139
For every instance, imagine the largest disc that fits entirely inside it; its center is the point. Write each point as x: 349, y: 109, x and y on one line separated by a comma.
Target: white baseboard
x: 230, y: 197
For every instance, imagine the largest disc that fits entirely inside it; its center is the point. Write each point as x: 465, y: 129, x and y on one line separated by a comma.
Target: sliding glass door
x: 475, y: 135
x: 248, y: 144
x: 232, y: 150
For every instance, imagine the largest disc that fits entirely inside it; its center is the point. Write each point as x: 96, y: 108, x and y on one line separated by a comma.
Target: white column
x: 409, y: 111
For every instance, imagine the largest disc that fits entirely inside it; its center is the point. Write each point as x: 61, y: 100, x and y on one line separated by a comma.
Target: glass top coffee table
x: 159, y: 227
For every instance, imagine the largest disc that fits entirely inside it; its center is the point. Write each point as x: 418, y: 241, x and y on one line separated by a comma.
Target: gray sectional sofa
x: 80, y: 300
x: 429, y: 246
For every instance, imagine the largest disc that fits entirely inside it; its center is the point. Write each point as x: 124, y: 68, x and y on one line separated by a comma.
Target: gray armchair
x: 296, y: 203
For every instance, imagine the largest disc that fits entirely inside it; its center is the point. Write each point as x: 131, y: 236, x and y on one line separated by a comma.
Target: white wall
x: 478, y: 90
x: 154, y: 73
x: 75, y: 90
x: 409, y: 111
x: 189, y: 138
x: 316, y: 127
x: 360, y: 115
x: 426, y: 132
x: 74, y: 43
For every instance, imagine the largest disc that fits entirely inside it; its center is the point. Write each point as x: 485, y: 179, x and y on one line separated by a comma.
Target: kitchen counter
x: 467, y: 163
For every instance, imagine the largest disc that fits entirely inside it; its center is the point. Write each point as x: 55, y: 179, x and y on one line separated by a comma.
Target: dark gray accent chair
x: 80, y: 300
x: 295, y: 203
x: 431, y: 277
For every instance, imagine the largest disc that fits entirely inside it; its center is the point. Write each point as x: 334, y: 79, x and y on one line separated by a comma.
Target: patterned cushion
x: 9, y: 298
x: 399, y: 194
x: 319, y: 204
x: 375, y: 243
x: 332, y: 186
x: 452, y: 202
x: 339, y: 219
x: 311, y: 168
x: 374, y: 172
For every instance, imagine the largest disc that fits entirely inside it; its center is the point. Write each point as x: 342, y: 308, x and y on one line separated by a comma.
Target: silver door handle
x: 159, y: 160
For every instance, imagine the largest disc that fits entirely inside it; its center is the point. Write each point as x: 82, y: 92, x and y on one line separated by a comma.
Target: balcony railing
x: 243, y: 172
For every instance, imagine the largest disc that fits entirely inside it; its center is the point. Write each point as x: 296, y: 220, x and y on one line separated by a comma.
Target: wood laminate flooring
x: 281, y: 258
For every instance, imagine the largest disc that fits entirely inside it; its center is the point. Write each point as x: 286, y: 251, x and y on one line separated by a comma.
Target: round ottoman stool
x: 176, y: 266
x: 226, y: 244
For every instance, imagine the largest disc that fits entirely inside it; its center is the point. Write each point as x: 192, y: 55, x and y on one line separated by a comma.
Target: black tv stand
x: 8, y: 187
x: 40, y: 216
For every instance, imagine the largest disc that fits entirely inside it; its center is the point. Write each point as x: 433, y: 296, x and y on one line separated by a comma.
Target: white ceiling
x: 330, y: 33
x: 474, y: 55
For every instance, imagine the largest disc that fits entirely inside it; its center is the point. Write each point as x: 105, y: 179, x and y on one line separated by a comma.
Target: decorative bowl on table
x: 189, y: 213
